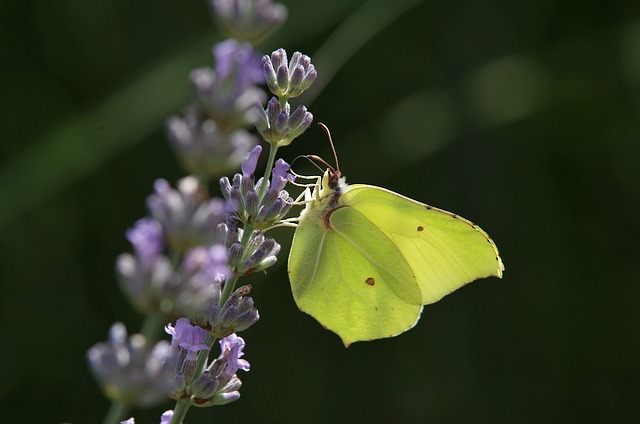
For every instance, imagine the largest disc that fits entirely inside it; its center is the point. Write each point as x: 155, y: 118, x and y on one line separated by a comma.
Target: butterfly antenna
x: 313, y: 158
x: 335, y: 155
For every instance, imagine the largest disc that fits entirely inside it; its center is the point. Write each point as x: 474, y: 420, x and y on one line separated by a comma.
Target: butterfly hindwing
x: 351, y: 277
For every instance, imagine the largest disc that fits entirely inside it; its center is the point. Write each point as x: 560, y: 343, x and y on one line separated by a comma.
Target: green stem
x: 180, y: 411
x: 152, y: 326
x: 229, y: 286
x: 267, y: 170
x: 204, y: 354
x: 116, y: 413
x: 150, y: 329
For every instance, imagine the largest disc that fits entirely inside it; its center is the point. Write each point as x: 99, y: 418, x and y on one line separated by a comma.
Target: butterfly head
x: 333, y: 185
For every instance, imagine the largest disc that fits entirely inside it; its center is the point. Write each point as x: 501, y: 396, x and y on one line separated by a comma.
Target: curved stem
x: 116, y: 413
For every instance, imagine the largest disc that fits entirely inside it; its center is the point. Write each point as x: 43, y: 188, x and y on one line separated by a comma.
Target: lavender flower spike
x: 287, y: 80
x: 204, y: 148
x: 186, y: 215
x: 250, y: 20
x: 228, y: 93
x: 130, y: 369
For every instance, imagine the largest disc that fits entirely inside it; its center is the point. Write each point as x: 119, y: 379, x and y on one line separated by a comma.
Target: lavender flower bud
x: 204, y: 387
x: 187, y: 340
x: 226, y: 187
x: 262, y: 253
x: 288, y: 80
x: 248, y: 20
x: 145, y: 282
x: 187, y: 290
x: 278, y: 208
x: 131, y: 370
x: 228, y: 233
x: 262, y: 213
x: 255, y: 241
x: 166, y: 417
x: 147, y: 239
x: 228, y: 394
x: 196, y: 281
x: 237, y: 314
x: 223, y: 372
x: 235, y: 254
x: 278, y: 126
x: 252, y: 203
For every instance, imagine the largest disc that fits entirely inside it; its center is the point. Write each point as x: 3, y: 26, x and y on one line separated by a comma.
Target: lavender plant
x: 191, y: 251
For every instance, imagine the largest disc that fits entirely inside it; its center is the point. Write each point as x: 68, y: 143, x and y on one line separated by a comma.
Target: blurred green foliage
x: 521, y: 116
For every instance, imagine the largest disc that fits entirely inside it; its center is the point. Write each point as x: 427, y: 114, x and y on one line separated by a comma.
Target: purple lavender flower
x: 131, y: 370
x: 166, y: 417
x: 248, y: 20
x: 209, y: 140
x: 147, y: 239
x: 227, y: 94
x: 250, y: 162
x: 186, y: 290
x: 232, y: 346
x: 232, y: 56
x: 208, y: 263
x: 280, y: 176
x: 145, y: 282
x: 219, y: 384
x: 187, y: 337
x: 187, y: 217
x: 204, y: 149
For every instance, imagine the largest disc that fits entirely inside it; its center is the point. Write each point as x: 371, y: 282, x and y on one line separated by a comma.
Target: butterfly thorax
x: 325, y: 197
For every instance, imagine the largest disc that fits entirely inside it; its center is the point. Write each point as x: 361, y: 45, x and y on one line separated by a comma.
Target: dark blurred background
x: 521, y: 116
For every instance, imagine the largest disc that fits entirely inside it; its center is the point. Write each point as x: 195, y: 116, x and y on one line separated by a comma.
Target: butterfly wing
x: 445, y: 251
x: 352, y: 278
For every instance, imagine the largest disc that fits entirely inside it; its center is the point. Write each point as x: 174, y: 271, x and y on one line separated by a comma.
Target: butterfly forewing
x: 444, y: 250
